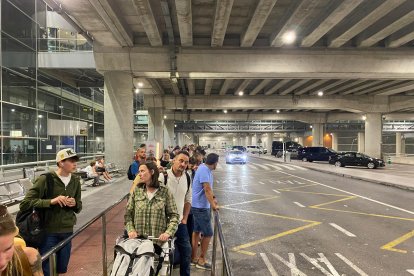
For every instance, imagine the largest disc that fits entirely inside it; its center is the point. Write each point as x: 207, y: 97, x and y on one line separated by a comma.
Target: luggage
x: 133, y: 257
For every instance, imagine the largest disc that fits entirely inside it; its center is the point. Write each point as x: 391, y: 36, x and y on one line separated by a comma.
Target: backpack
x: 133, y: 257
x: 188, y: 180
x: 31, y: 223
x: 131, y: 176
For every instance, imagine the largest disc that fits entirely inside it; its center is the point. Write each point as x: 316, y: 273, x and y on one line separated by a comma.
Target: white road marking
x: 263, y: 167
x: 251, y: 166
x: 268, y: 264
x: 325, y: 260
x: 354, y: 267
x: 336, y: 226
x: 292, y: 265
x: 276, y: 191
x: 411, y: 271
x: 299, y: 167
x: 287, y: 167
x: 261, y: 183
x: 315, y: 263
x: 292, y: 260
x: 300, y: 205
x: 349, y: 193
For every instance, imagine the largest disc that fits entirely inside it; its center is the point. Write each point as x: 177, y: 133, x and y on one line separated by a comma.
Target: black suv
x: 311, y: 154
x: 351, y: 158
x: 290, y: 146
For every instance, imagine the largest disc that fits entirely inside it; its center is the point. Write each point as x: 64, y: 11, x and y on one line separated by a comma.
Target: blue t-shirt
x: 202, y: 175
x: 135, y: 168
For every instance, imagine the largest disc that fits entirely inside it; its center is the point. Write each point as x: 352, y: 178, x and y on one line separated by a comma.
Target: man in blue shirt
x: 140, y: 158
x: 202, y: 200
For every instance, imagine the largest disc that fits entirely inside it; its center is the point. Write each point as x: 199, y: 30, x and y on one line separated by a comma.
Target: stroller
x: 143, y: 257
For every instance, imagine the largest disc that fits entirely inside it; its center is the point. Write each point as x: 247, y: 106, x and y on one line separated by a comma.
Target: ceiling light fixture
x: 225, y: 110
x: 320, y: 93
x: 289, y: 37
x: 241, y: 93
x: 364, y: 117
x: 140, y: 84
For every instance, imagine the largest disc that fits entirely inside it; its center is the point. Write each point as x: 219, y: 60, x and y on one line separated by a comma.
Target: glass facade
x: 31, y: 97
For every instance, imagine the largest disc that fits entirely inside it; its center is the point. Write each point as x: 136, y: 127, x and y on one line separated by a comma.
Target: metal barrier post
x: 214, y: 254
x: 104, y: 256
x: 52, y: 264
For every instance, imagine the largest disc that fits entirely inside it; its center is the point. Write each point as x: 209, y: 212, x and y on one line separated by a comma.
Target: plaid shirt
x: 152, y: 217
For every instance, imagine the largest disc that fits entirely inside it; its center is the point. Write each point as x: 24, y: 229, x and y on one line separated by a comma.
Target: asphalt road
x: 286, y: 220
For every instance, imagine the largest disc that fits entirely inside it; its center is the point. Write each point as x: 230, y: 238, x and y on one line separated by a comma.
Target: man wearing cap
x: 16, y: 259
x: 61, y: 208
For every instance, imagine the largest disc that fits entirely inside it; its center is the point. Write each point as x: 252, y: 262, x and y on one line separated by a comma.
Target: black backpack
x: 131, y: 176
x: 31, y: 223
x: 188, y: 180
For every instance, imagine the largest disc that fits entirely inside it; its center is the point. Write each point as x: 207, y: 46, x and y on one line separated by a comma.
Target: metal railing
x: 64, y: 45
x: 218, y: 233
x: 51, y: 254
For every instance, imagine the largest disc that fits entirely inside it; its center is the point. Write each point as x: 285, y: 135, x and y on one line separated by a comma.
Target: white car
x: 254, y: 149
x: 236, y: 156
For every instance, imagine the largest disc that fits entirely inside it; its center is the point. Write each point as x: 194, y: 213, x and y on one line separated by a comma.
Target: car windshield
x: 235, y: 152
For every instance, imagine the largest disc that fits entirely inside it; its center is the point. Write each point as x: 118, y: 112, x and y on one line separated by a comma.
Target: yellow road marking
x: 240, y: 248
x: 390, y: 246
x: 331, y: 202
x: 298, y: 187
x: 246, y: 193
x: 244, y: 202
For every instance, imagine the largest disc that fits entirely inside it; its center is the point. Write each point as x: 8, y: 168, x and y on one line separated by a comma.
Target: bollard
x: 389, y: 160
x: 104, y: 255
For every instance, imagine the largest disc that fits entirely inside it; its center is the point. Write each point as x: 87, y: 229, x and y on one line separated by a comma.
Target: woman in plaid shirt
x: 151, y: 209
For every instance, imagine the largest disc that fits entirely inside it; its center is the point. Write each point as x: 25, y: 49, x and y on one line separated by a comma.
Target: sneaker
x: 194, y: 262
x: 205, y: 266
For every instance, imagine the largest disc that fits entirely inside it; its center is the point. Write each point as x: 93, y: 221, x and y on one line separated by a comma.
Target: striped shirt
x: 152, y: 217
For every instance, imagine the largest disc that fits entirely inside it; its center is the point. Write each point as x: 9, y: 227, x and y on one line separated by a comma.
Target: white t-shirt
x: 179, y: 188
x: 65, y: 179
x: 151, y: 195
x: 89, y: 171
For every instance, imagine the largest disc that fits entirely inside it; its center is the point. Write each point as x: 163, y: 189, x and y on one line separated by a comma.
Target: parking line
x: 298, y: 167
x: 262, y: 166
x: 348, y: 262
x: 276, y: 191
x: 300, y: 205
x: 287, y: 167
x: 268, y: 264
x: 390, y: 246
x: 275, y: 166
x: 346, y: 232
x: 411, y: 271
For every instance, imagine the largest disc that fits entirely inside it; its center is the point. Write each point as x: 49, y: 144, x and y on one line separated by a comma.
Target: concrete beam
x: 377, y: 87
x: 191, y: 87
x: 345, y: 8
x: 302, y: 11
x: 365, y: 22
x: 360, y: 87
x: 293, y: 87
x: 398, y: 103
x: 344, y: 87
x: 185, y: 21
x: 114, y: 21
x: 260, y: 15
x: 260, y: 87
x: 221, y: 20
x: 260, y: 64
x: 225, y: 86
x: 390, y: 29
x: 208, y: 86
x: 309, y: 87
x: 242, y: 86
x: 277, y: 86
x: 156, y: 86
x: 146, y: 16
x: 348, y: 103
x: 408, y: 86
x: 397, y: 42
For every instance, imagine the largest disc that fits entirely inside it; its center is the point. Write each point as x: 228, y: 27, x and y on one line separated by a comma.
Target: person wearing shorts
x: 203, y: 200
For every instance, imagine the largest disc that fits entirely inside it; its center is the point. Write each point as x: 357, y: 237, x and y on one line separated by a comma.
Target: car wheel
x: 338, y: 164
x: 371, y: 165
x: 304, y: 159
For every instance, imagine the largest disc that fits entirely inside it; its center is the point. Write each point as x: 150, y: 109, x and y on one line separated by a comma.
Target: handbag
x: 31, y: 222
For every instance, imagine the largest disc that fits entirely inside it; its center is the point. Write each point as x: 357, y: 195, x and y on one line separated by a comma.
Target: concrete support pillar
x: 373, y: 134
x: 361, y: 142
x: 249, y: 140
x: 269, y: 143
x: 335, y: 141
x: 118, y: 121
x: 317, y: 133
x: 156, y: 126
x: 301, y: 140
x: 168, y: 134
x: 399, y: 144
x: 254, y: 140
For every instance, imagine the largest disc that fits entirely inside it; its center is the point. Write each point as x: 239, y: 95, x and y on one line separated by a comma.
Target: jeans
x: 183, y: 246
x: 62, y: 256
x: 190, y: 226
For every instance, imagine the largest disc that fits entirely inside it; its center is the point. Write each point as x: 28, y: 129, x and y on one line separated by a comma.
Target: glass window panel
x: 99, y: 116
x: 15, y: 54
x: 48, y: 101
x: 17, y: 24
x: 41, y: 14
x: 19, y: 150
x: 86, y: 112
x: 18, y: 89
x: 27, y: 6
x: 86, y: 93
x: 19, y: 121
x: 42, y: 124
x: 99, y: 137
x: 70, y: 109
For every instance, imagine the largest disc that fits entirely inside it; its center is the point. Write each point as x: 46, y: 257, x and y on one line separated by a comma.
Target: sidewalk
x: 395, y: 175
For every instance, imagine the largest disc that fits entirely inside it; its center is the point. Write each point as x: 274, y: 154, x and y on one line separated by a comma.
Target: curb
x: 395, y: 185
